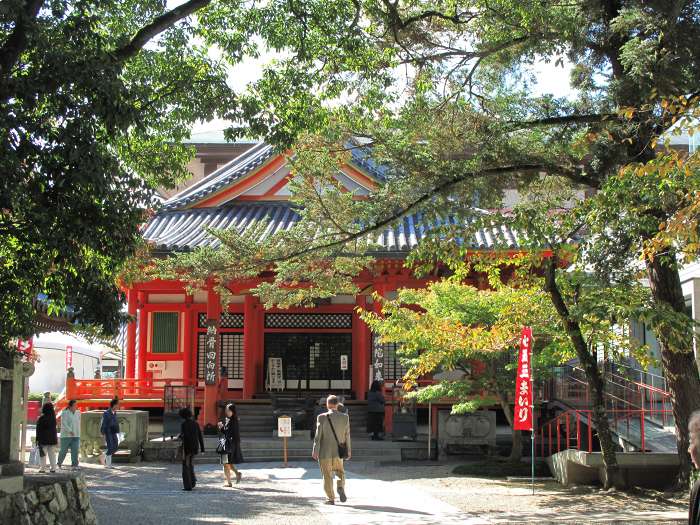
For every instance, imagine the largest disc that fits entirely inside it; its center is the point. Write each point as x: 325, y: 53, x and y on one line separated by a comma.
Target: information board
x: 275, y: 376
x: 343, y: 362
x: 284, y: 426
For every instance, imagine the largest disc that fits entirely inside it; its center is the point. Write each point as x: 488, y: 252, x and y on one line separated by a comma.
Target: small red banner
x: 522, y: 420
x: 24, y: 346
x: 69, y: 356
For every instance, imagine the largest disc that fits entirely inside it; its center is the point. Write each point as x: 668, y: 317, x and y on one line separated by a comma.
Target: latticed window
x: 226, y: 320
x: 308, y: 321
x: 230, y: 354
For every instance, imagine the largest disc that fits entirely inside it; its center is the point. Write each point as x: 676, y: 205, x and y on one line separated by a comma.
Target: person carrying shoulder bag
x: 332, y: 446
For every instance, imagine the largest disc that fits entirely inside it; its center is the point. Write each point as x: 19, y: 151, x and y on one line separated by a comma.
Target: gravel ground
x: 500, y: 500
x: 149, y: 493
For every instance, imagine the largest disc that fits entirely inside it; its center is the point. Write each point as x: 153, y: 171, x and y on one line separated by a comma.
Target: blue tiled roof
x: 185, y: 229
x: 221, y: 178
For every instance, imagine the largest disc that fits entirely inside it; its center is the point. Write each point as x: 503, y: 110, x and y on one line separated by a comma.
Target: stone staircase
x: 258, y: 449
x: 257, y: 419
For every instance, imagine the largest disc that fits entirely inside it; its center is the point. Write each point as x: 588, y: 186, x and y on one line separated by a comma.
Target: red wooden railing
x: 631, y: 405
x: 99, y: 392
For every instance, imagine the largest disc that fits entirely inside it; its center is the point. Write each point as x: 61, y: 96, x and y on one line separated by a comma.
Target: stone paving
x: 269, y: 494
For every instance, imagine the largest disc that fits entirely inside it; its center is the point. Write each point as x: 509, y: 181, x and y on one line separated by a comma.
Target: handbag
x: 34, y: 456
x: 223, y: 446
x: 342, y: 447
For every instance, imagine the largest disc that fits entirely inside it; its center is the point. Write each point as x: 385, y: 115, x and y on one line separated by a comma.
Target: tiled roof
x: 222, y: 177
x: 185, y: 229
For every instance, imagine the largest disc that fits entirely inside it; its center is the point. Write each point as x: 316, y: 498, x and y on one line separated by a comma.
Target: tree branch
x: 17, y: 41
x: 443, y: 186
x: 157, y: 26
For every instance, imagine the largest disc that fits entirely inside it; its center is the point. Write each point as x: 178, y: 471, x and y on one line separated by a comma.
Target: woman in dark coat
x: 192, y: 442
x: 47, y: 436
x: 231, y: 432
x: 375, y: 411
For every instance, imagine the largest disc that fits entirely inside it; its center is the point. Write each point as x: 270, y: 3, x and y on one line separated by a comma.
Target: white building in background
x: 51, y: 347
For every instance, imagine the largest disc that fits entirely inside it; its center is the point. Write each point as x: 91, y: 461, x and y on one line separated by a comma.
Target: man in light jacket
x: 325, y: 449
x: 70, y: 434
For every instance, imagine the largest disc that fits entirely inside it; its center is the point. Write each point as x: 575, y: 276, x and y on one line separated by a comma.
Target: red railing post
x: 568, y: 436
x: 558, y: 435
x: 549, y: 426
x: 578, y: 430
x: 641, y: 431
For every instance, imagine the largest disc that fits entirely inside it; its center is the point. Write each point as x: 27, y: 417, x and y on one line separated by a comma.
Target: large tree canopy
x: 448, y: 106
x: 96, y: 98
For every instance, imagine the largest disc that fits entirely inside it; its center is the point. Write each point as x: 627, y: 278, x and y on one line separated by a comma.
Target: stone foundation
x: 49, y: 500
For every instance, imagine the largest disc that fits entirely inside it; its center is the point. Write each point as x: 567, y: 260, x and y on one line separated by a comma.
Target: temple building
x: 316, y: 350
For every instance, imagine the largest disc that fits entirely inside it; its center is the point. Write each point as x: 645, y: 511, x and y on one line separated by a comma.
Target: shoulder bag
x: 342, y: 447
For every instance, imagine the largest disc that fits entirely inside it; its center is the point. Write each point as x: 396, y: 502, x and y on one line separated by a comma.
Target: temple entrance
x: 311, y: 361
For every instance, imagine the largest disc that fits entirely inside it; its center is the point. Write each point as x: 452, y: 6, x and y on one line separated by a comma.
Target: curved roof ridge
x: 233, y: 170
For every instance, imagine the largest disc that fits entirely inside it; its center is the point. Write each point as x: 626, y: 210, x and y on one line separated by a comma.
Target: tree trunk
x: 594, y: 378
x: 680, y: 367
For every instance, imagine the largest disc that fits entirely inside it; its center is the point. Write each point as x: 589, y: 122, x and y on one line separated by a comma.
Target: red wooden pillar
x: 188, y: 348
x: 253, y: 318
x: 143, y: 336
x: 130, y: 365
x: 210, y: 414
x: 360, y: 351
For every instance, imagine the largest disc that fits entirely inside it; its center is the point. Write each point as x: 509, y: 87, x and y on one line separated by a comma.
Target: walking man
x: 109, y: 428
x: 192, y: 442
x: 331, y: 440
x: 70, y: 434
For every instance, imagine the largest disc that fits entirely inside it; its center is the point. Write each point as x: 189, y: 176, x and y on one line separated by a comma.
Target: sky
x: 551, y: 79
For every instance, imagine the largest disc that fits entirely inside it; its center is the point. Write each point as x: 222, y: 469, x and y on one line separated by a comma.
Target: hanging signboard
x: 210, y: 351
x: 275, y: 377
x: 343, y: 362
x: 523, y: 383
x: 69, y: 356
x: 378, y: 360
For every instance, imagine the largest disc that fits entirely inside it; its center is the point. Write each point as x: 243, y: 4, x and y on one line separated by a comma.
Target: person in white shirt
x: 70, y: 434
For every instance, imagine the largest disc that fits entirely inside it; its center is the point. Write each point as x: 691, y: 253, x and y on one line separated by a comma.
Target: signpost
x: 275, y: 377
x: 524, y: 417
x: 69, y: 356
x: 284, y: 430
x: 343, y: 369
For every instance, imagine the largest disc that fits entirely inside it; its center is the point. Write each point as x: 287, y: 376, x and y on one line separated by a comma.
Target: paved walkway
x: 269, y: 494
x: 151, y: 493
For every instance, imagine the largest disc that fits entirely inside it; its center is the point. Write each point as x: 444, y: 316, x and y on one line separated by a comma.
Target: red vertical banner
x: 25, y: 346
x: 522, y: 420
x: 69, y: 356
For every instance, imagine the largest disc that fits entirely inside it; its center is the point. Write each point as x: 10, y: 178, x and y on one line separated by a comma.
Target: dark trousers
x: 112, y: 443
x: 188, y: 478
